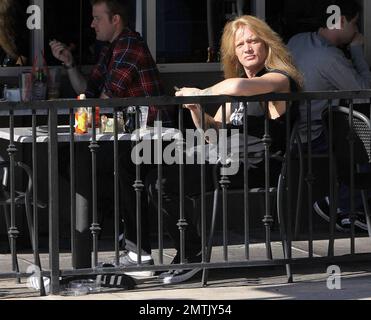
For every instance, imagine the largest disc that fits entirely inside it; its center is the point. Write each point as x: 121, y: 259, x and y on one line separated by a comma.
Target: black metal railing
x: 85, y: 226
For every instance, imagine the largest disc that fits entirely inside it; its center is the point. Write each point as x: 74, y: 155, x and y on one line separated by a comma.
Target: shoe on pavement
x: 322, y: 208
x: 343, y: 222
x: 130, y: 259
x: 180, y: 275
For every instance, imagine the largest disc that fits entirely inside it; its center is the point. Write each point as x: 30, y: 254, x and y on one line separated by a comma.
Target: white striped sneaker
x: 129, y: 259
x: 178, y: 276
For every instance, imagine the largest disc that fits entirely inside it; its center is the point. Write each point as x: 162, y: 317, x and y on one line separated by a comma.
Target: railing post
x: 182, y: 222
x: 310, y: 179
x: 224, y: 183
x: 203, y: 186
x: 95, y: 228
x: 116, y: 187
x: 35, y: 231
x: 268, y: 220
x: 138, y: 187
x: 352, y: 185
x: 53, y: 201
x: 72, y: 189
x: 332, y: 181
x: 286, y: 228
x: 13, y: 230
x: 158, y: 150
x: 246, y: 181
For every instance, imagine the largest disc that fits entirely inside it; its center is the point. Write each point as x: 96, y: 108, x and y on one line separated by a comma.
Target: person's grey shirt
x: 326, y: 68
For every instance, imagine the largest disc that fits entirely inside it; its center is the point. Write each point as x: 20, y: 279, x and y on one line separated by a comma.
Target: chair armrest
x: 28, y: 171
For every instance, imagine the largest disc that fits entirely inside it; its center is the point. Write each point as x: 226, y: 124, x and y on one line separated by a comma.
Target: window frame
x: 258, y: 7
x: 146, y: 24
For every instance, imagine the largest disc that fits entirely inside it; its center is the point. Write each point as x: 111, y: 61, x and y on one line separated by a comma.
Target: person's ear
x: 116, y: 19
x: 342, y: 21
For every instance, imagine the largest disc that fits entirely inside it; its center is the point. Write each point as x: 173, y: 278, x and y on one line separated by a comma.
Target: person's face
x: 349, y: 29
x: 250, y: 50
x: 102, y: 24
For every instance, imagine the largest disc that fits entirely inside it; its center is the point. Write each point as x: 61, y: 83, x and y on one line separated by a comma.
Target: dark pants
x: 320, y: 146
x: 128, y: 206
x: 192, y: 187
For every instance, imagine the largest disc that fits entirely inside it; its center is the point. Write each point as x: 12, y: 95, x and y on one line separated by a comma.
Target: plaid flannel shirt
x: 126, y: 69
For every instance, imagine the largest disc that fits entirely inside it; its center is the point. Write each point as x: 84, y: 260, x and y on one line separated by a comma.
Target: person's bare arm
x: 270, y: 82
x: 63, y: 53
x: 210, y: 122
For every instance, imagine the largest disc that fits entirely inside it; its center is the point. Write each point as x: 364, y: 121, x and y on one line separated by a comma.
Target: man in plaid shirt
x: 125, y: 67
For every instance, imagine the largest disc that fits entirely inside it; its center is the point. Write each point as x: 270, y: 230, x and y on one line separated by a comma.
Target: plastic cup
x: 143, y: 117
x: 25, y: 86
x: 54, y: 81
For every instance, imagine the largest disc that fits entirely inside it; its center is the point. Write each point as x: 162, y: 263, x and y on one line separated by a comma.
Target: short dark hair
x: 349, y: 9
x: 119, y: 7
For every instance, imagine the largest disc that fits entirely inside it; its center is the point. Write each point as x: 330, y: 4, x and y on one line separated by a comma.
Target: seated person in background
x: 125, y: 69
x: 320, y: 58
x: 255, y: 62
x: 14, y: 35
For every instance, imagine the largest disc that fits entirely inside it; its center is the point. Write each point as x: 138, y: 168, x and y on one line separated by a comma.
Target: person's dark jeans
x: 192, y: 187
x: 128, y: 202
x: 171, y: 200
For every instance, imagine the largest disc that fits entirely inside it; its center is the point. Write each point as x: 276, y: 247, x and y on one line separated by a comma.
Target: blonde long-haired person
x: 255, y: 62
x: 14, y: 35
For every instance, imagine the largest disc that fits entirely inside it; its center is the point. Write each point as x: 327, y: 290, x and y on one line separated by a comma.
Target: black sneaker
x: 180, y: 275
x: 322, y: 208
x: 360, y: 221
x: 343, y: 222
x: 122, y: 281
x: 126, y: 261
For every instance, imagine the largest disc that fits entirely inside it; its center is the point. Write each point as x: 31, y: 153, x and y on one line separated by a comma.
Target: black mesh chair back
x: 341, y: 135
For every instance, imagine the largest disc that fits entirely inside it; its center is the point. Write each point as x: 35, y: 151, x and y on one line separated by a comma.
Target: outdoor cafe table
x: 83, y: 190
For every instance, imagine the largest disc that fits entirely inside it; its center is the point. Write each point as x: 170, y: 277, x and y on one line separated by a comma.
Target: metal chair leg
x: 299, y: 201
x: 7, y: 222
x: 285, y: 247
x: 31, y: 228
x: 333, y: 213
x: 205, y: 272
x: 268, y: 244
x: 31, y: 231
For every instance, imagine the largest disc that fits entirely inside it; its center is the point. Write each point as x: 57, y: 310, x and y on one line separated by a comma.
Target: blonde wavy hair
x: 278, y: 55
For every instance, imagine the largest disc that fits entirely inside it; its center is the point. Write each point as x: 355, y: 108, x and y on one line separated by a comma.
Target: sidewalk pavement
x: 267, y: 283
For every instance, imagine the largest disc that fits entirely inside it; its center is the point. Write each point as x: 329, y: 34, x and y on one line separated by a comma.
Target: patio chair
x: 276, y: 192
x: 341, y: 149
x: 21, y: 198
